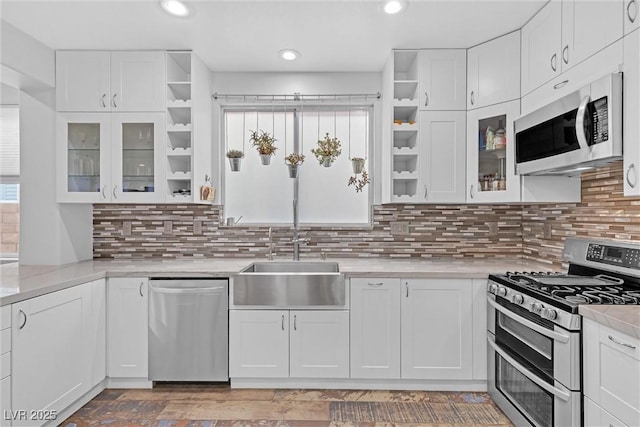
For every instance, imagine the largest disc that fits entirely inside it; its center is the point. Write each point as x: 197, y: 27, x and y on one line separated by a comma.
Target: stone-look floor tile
x: 246, y: 410
x: 370, y: 396
x: 203, y: 394
x: 121, y: 410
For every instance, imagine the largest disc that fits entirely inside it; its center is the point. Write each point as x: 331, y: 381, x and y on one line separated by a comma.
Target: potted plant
x: 357, y: 163
x: 293, y: 161
x: 265, y: 144
x: 235, y: 156
x: 327, y: 151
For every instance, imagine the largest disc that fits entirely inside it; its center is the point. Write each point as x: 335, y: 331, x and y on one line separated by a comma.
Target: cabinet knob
x: 406, y: 285
x: 554, y: 62
x: 25, y: 319
x: 560, y: 84
x: 471, y: 191
x: 472, y: 97
x: 426, y: 191
x: 565, y: 54
x: 632, y: 16
x: 282, y: 322
x: 631, y: 167
x: 426, y: 99
x: 115, y: 187
x: 102, y: 99
x: 140, y: 289
x: 113, y: 100
x: 104, y: 195
x: 611, y: 338
x: 375, y: 284
x: 295, y: 322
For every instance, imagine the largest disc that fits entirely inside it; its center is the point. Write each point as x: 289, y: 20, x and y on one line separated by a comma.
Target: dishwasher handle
x: 163, y: 290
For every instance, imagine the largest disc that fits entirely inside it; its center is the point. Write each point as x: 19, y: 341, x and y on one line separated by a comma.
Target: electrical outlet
x: 493, y: 228
x: 547, y: 230
x: 168, y: 227
x: 126, y: 228
x: 197, y: 227
x: 399, y: 228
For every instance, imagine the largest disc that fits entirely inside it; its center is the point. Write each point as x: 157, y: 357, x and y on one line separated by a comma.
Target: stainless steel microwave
x: 577, y: 132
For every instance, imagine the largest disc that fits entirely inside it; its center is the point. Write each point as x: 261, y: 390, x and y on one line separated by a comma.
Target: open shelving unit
x: 405, y: 158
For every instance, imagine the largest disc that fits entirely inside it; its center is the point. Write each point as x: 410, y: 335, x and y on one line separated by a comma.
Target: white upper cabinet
x: 541, y: 38
x: 493, y: 71
x: 631, y: 18
x: 631, y: 111
x: 110, y: 81
x: 442, y: 79
x: 588, y: 27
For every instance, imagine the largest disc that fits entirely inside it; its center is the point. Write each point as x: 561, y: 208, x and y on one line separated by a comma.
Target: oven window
x: 534, y: 340
x: 534, y: 402
x: 555, y: 136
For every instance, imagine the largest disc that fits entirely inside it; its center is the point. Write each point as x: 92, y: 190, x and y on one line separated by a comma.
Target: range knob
x: 493, y: 288
x: 550, y: 313
x: 536, y: 307
x: 502, y: 291
x: 517, y: 299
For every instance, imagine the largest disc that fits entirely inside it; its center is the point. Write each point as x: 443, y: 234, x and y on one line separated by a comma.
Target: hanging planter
x: 327, y: 151
x: 265, y: 144
x: 357, y: 163
x: 294, y: 161
x: 235, y: 158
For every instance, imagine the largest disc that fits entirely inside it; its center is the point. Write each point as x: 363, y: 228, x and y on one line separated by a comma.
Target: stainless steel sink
x: 289, y: 284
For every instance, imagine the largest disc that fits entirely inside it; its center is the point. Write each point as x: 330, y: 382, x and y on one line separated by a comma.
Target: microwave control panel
x: 623, y: 257
x: 600, y: 119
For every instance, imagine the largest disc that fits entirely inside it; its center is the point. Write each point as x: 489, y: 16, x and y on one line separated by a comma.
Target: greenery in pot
x: 295, y: 159
x: 328, y: 150
x: 235, y: 154
x: 359, y: 183
x: 264, y: 142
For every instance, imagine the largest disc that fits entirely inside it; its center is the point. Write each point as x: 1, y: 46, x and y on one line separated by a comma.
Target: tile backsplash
x: 535, y: 231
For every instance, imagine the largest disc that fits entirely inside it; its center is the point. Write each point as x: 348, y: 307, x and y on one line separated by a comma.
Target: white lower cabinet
x: 5, y: 365
x: 436, y: 332
x: 612, y: 376
x: 282, y: 343
x: 375, y: 328
x: 98, y: 349
x: 51, y: 338
x: 127, y: 323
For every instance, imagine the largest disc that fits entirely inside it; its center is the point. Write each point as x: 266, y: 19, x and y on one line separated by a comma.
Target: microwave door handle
x: 562, y: 394
x: 549, y: 333
x: 580, y: 116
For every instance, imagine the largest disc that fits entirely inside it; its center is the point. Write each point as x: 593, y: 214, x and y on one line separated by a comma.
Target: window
x: 9, y: 192
x: 264, y: 194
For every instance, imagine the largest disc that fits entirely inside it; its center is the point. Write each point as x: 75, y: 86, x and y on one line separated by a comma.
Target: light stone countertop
x: 18, y: 283
x: 623, y: 318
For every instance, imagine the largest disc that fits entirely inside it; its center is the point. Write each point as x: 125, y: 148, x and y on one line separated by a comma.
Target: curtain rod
x: 296, y: 97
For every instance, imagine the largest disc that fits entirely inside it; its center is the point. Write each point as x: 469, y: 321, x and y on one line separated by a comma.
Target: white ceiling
x: 245, y: 35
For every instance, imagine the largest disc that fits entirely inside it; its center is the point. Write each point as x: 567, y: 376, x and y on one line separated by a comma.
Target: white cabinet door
x: 541, y: 40
x: 490, y: 169
x: 631, y: 111
x: 84, y: 157
x: 493, y: 71
x: 82, y: 81
x: 375, y: 328
x: 98, y: 350
x: 480, y: 329
x: 443, y: 156
x: 631, y: 18
x: 595, y: 416
x: 258, y: 343
x: 587, y: 27
x: 319, y: 343
x: 437, y: 329
x: 5, y: 401
x: 443, y: 79
x: 127, y: 323
x: 51, y: 338
x: 138, y: 157
x: 611, y: 361
x: 137, y: 81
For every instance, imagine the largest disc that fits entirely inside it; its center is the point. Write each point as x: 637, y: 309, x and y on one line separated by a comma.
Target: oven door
x: 526, y: 398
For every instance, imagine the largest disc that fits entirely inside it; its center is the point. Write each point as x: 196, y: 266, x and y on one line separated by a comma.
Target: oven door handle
x: 557, y: 336
x: 562, y: 394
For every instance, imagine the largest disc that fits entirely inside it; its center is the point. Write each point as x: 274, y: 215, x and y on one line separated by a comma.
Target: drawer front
x: 5, y: 341
x: 5, y: 365
x: 5, y: 317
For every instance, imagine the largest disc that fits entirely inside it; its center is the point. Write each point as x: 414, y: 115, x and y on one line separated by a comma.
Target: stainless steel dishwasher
x: 188, y: 329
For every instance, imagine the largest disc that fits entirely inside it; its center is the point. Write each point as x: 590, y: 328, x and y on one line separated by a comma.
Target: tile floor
x: 169, y: 405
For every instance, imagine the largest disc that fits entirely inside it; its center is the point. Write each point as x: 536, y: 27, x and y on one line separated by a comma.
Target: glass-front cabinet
x: 110, y: 157
x: 490, y: 154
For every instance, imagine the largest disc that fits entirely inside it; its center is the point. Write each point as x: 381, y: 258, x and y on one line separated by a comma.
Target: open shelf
x: 405, y: 187
x: 405, y: 162
x: 405, y: 138
x: 179, y: 91
x: 179, y: 164
x: 405, y: 65
x: 179, y: 115
x: 405, y: 114
x: 179, y: 66
x: 405, y: 90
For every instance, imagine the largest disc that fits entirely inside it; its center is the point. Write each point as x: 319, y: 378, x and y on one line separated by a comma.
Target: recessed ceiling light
x: 393, y: 6
x: 174, y: 7
x: 289, y: 54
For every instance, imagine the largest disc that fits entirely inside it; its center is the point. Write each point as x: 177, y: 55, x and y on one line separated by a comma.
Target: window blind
x: 9, y: 144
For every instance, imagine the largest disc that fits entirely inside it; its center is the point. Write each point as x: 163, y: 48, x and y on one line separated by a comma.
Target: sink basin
x: 289, y: 284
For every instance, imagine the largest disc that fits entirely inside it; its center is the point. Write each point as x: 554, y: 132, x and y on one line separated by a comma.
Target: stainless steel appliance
x: 575, y: 133
x: 534, y: 329
x: 188, y: 330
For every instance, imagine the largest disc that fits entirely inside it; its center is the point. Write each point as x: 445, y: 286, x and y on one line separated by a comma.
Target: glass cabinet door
x: 490, y: 154
x: 83, y: 157
x: 137, y: 157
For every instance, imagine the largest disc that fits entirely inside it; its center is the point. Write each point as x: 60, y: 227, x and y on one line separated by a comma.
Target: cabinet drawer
x: 5, y: 341
x: 5, y: 365
x: 375, y: 282
x: 5, y: 317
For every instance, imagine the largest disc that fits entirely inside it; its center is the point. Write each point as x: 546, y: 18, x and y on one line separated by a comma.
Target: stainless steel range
x: 535, y: 372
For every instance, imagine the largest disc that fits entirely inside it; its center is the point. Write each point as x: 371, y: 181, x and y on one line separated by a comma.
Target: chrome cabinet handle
x: 113, y: 100
x: 472, y: 98
x: 104, y: 195
x: 295, y: 322
x: 554, y: 65
x: 565, y: 54
x: 102, y: 98
x: 282, y: 322
x: 375, y: 284
x: 115, y: 187
x: 406, y: 286
x: 140, y: 289
x: 580, y: 116
x: 560, y: 84
x: 25, y: 319
x: 629, y: 169
x: 471, y: 191
x: 426, y: 101
x: 624, y: 344
x: 426, y: 191
x: 632, y: 18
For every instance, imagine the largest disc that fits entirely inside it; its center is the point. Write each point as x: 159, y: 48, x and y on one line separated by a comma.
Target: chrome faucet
x: 270, y: 255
